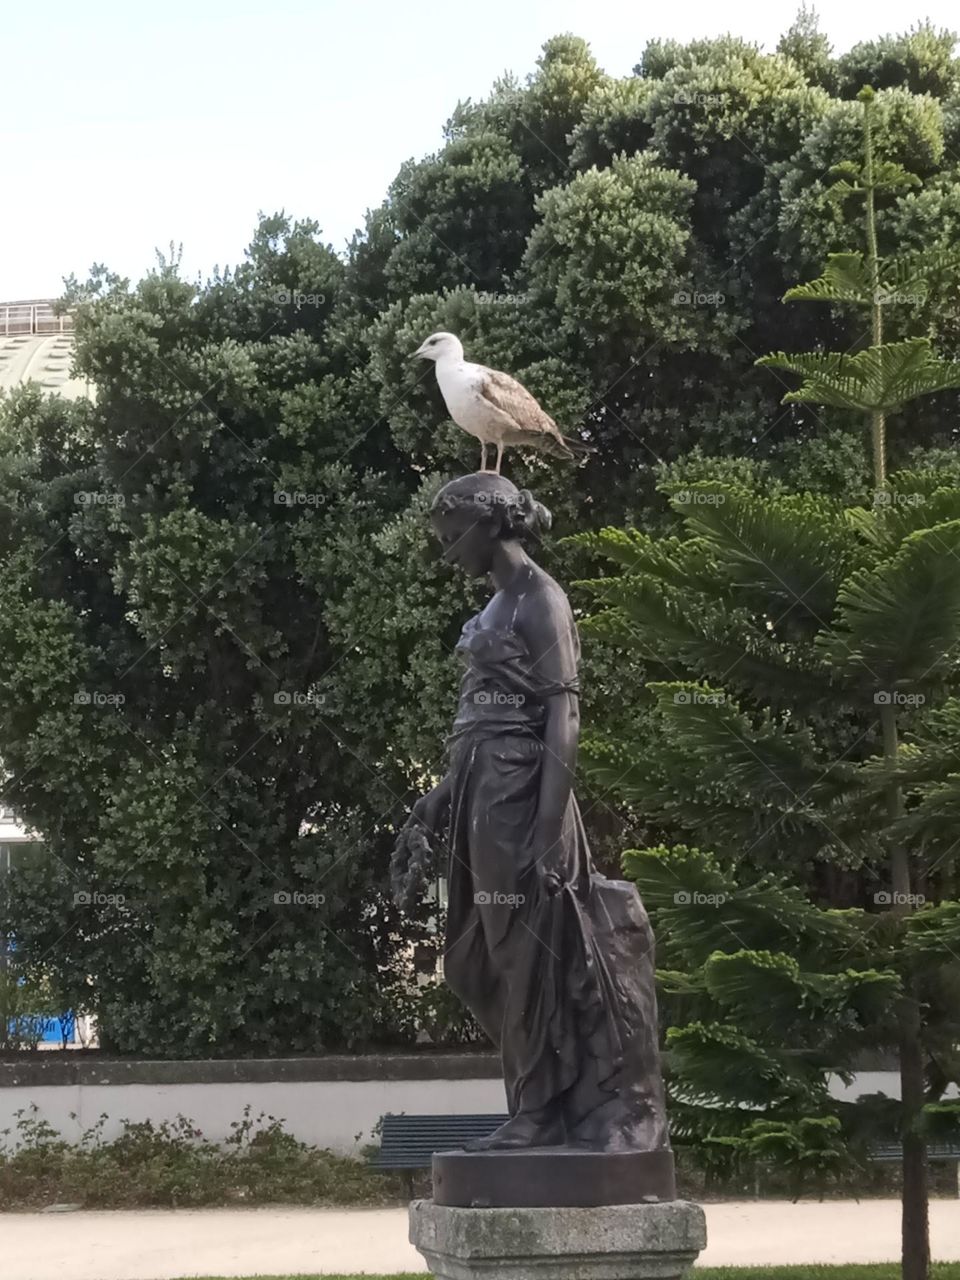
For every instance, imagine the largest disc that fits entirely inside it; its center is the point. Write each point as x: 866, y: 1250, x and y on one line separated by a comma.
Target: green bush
x: 172, y: 1164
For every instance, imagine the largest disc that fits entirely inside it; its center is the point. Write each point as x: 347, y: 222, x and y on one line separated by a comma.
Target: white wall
x: 335, y: 1114
x: 887, y: 1082
x: 340, y: 1115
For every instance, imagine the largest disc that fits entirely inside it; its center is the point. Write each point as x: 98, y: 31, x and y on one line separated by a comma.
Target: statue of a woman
x: 554, y: 960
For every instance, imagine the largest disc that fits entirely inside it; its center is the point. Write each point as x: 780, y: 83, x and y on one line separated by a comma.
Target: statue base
x: 613, y: 1242
x: 551, y: 1177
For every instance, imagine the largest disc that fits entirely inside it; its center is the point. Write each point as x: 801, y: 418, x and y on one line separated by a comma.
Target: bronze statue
x: 554, y: 960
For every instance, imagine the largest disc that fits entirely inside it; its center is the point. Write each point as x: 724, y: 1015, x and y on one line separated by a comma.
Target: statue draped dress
x: 558, y: 970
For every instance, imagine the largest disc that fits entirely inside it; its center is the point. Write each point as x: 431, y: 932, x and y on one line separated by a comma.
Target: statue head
x: 474, y: 513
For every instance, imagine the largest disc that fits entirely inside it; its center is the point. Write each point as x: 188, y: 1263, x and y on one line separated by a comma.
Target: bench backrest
x: 408, y: 1142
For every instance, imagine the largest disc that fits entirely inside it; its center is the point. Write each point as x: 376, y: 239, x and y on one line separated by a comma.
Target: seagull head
x: 439, y: 346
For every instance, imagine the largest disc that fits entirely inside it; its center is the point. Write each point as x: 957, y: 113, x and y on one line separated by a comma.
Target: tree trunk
x: 915, y: 1194
x: 915, y: 1225
x: 878, y: 427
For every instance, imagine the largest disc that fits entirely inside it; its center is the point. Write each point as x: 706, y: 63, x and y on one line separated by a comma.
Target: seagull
x: 491, y: 405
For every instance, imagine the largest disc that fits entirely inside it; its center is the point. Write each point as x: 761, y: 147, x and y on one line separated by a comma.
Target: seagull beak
x: 416, y: 355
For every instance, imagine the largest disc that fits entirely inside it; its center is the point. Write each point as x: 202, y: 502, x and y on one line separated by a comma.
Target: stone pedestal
x: 613, y: 1242
x: 552, y: 1177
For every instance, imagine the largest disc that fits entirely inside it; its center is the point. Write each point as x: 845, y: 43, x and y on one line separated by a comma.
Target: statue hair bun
x: 533, y: 515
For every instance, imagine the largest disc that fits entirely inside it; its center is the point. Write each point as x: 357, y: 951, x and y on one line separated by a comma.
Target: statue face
x: 466, y: 540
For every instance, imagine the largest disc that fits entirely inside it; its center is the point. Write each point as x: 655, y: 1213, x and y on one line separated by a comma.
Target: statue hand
x: 433, y: 809
x: 552, y: 883
x: 549, y: 850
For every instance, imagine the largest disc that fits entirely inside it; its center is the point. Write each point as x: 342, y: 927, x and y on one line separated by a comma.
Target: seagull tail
x: 577, y: 446
x: 562, y: 446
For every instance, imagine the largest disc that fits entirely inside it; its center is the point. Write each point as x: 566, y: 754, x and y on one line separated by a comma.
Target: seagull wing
x: 512, y: 398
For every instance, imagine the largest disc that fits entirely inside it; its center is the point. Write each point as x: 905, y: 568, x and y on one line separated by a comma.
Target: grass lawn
x: 872, y: 1271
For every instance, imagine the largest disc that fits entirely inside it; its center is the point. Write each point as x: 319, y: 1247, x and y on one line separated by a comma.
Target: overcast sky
x: 127, y: 126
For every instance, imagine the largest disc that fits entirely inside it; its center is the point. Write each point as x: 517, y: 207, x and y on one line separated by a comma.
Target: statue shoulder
x: 545, y: 610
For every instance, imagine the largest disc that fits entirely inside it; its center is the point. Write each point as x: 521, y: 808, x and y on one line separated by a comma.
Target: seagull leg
x: 499, y: 456
x: 483, y: 455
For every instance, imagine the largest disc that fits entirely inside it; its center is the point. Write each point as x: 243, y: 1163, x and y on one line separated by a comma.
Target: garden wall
x: 332, y: 1102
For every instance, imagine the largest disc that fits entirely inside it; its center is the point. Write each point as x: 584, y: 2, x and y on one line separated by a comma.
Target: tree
x: 798, y: 604
x: 172, y: 724
x: 921, y: 60
x: 784, y: 627
x: 806, y: 45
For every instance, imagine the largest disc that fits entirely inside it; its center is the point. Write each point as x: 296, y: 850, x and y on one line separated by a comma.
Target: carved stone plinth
x: 615, y: 1242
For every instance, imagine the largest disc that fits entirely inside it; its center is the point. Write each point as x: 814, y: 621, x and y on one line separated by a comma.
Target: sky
x: 127, y: 127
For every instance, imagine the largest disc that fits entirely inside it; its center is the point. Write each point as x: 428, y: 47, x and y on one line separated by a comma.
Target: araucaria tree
x: 797, y: 747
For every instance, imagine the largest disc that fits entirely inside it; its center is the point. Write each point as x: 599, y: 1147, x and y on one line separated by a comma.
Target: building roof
x: 37, y: 344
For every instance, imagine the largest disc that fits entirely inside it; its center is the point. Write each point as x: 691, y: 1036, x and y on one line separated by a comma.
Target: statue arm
x: 554, y: 650
x: 560, y: 737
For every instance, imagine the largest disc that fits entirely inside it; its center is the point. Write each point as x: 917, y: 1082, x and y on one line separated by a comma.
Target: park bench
x: 407, y: 1142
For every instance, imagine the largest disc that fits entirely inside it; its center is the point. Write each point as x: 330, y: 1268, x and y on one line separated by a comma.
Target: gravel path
x: 162, y: 1244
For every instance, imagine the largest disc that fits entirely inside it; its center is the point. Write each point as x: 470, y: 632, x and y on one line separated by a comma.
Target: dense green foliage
x: 225, y: 645
x: 782, y: 626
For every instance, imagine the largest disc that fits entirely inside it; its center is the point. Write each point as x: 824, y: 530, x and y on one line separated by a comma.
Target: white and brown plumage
x: 491, y: 405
